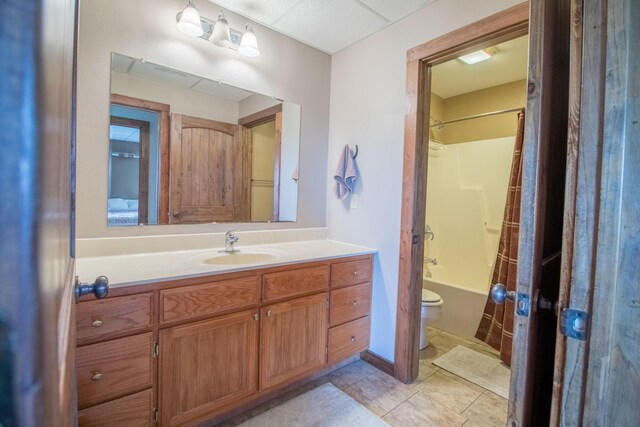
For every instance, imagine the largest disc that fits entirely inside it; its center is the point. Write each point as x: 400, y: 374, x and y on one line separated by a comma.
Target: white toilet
x: 431, y: 309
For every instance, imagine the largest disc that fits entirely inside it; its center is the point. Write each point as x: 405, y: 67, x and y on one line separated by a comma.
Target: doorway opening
x: 474, y: 115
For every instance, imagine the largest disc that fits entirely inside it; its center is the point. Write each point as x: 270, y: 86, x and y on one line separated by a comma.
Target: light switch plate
x: 354, y: 201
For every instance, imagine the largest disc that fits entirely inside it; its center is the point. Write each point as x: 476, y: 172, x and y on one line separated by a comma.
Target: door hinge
x: 523, y: 304
x: 326, y: 350
x: 327, y: 301
x: 155, y: 415
x: 574, y: 323
x: 156, y: 349
x: 414, y: 239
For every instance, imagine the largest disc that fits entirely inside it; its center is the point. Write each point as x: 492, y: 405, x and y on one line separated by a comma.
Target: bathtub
x: 463, y: 304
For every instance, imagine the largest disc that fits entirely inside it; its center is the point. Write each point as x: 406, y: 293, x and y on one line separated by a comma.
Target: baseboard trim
x: 379, y: 362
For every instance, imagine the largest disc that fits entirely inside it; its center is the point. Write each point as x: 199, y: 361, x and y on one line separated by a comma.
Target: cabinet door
x: 207, y: 365
x: 293, y: 339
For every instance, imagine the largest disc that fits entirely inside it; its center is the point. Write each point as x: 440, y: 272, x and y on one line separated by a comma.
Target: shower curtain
x: 496, y: 326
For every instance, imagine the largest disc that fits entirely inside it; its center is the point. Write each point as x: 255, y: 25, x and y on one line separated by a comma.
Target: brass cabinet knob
x: 355, y: 273
x: 268, y: 313
x: 96, y: 323
x: 353, y: 339
x: 354, y: 303
x: 256, y: 316
x: 97, y: 376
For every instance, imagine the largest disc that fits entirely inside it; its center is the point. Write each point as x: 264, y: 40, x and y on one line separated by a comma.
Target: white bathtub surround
x: 463, y: 309
x: 139, y: 268
x: 466, y: 193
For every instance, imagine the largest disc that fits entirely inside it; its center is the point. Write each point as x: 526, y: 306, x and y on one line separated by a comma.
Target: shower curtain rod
x: 475, y: 116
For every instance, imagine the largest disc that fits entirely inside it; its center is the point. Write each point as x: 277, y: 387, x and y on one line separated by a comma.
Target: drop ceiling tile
x: 221, y: 90
x: 329, y: 25
x: 120, y: 63
x: 148, y: 70
x: 394, y: 10
x: 262, y: 11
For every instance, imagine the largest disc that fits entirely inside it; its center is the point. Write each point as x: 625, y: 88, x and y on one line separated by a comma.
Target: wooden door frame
x: 143, y: 165
x: 163, y: 111
x: 259, y: 118
x: 500, y: 27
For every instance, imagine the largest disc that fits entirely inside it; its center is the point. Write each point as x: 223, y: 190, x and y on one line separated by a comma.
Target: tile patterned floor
x: 436, y: 398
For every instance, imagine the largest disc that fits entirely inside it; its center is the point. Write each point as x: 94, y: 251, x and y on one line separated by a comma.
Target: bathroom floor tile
x: 449, y: 391
x: 364, y: 401
x: 430, y: 354
x: 384, y: 390
x: 425, y: 370
x: 488, y: 410
x: 446, y: 341
x: 351, y: 373
x: 422, y: 411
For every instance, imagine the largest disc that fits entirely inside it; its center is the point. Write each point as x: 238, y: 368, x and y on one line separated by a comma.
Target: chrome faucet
x: 230, y: 239
x: 431, y: 260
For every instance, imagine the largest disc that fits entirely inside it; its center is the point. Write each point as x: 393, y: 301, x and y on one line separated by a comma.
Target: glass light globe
x: 189, y: 22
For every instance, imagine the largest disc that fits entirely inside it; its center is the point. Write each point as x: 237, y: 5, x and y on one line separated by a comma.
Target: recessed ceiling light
x: 479, y: 56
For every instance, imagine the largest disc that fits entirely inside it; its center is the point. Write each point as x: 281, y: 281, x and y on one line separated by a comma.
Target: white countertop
x: 130, y: 269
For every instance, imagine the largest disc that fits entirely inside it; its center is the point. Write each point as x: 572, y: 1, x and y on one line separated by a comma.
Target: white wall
x: 181, y: 100
x: 367, y: 108
x: 286, y: 69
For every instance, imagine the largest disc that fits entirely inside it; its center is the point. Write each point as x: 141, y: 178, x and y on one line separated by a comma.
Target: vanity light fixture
x: 191, y: 23
x: 249, y: 44
x: 479, y: 56
x: 221, y: 34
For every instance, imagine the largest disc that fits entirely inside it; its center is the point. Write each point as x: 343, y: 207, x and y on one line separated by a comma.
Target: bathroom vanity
x: 181, y: 351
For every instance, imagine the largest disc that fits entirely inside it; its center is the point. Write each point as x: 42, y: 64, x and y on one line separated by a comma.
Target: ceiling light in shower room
x: 479, y: 56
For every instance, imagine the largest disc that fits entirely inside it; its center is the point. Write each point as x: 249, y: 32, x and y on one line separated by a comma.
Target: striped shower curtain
x: 496, y: 326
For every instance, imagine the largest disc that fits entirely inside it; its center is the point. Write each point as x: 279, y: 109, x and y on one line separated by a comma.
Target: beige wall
x: 368, y: 104
x: 510, y: 95
x: 263, y: 145
x: 182, y: 101
x: 286, y: 69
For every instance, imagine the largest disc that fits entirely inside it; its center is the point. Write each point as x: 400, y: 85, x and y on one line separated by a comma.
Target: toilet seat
x: 430, y: 299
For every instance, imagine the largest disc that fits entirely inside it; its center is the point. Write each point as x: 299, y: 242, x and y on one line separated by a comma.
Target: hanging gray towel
x: 345, y: 174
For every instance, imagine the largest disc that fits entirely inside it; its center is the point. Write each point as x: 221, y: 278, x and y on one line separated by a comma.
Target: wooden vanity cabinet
x: 293, y: 339
x: 205, y: 366
x: 190, y: 350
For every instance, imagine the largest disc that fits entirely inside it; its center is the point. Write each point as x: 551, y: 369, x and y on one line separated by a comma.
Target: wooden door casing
x: 207, y: 365
x: 502, y: 26
x: 293, y: 339
x: 206, y: 170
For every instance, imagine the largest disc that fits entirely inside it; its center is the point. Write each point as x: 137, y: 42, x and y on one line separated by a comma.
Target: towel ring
x: 356, y: 153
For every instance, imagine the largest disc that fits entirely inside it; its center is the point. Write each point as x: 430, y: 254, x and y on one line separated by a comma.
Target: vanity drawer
x: 209, y: 298
x: 351, y: 273
x: 107, y: 317
x: 349, y: 303
x: 295, y: 282
x: 114, y: 369
x: 348, y: 339
x: 131, y: 411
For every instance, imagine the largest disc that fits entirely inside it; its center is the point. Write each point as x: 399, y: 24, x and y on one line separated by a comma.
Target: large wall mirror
x: 184, y: 149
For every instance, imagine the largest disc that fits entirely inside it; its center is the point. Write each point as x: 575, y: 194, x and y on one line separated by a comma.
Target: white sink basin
x: 240, y: 257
